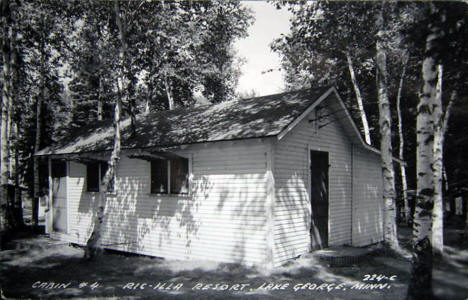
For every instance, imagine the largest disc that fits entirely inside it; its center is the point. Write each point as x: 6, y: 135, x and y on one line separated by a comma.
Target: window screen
x: 179, y: 176
x: 159, y: 178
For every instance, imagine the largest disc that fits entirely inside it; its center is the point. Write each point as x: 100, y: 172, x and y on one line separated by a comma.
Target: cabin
x: 256, y: 181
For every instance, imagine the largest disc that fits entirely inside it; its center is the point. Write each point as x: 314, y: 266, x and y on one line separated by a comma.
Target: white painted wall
x: 368, y: 201
x: 222, y: 220
x: 230, y: 215
x: 292, y: 206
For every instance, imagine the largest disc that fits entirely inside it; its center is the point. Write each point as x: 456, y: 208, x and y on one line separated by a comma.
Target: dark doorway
x: 319, y: 199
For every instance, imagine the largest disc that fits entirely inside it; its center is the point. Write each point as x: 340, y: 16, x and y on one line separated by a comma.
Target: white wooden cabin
x: 256, y: 181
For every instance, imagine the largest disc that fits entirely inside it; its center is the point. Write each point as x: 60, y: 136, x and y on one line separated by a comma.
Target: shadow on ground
x: 36, y: 267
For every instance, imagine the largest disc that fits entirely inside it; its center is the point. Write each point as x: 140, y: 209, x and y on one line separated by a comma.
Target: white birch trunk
x: 93, y: 243
x: 147, y: 104
x: 6, y: 100
x: 37, y: 144
x: 422, y: 252
x: 357, y: 91
x: 385, y: 123
x: 16, y: 173
x: 170, y: 99
x: 420, y: 286
x: 100, y: 96
x: 437, y: 212
x: 441, y: 124
x: 404, y: 184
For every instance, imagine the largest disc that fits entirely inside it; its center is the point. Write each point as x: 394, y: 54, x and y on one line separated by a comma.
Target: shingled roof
x: 240, y: 119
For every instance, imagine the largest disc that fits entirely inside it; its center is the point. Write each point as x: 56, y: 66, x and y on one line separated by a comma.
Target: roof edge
x: 353, y: 124
x: 358, y: 133
x: 304, y: 114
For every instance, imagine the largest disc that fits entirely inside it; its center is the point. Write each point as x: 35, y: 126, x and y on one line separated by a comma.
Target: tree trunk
x: 37, y: 144
x: 5, y: 120
x: 357, y: 91
x: 437, y: 238
x: 18, y: 194
x: 441, y: 124
x: 99, y: 100
x: 93, y: 243
x: 170, y: 99
x: 147, y: 107
x: 147, y: 104
x: 420, y: 286
x: 385, y: 124
x: 401, y: 147
x: 100, y: 95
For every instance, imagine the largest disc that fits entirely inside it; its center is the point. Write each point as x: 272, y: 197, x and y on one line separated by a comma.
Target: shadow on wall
x: 293, y: 221
x: 340, y: 215
x: 87, y: 207
x: 231, y: 217
x: 249, y: 214
x: 292, y: 213
x: 368, y: 223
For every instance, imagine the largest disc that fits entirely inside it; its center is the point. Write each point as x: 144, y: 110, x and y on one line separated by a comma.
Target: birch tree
x: 385, y: 125
x: 326, y: 41
x: 441, y: 119
x: 451, y: 70
x: 7, y: 33
x: 93, y: 243
x: 437, y: 166
x: 91, y: 59
x: 174, y: 49
x: 326, y: 26
x: 401, y: 141
x: 421, y: 273
x: 45, y: 34
x: 359, y: 100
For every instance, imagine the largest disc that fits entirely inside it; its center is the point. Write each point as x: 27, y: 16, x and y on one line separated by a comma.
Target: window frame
x: 169, y: 179
x: 100, y: 167
x: 88, y: 166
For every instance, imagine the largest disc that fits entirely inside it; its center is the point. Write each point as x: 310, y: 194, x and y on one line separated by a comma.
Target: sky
x: 255, y: 49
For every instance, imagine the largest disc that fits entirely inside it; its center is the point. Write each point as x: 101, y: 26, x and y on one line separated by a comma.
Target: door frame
x: 51, y: 195
x: 309, y: 187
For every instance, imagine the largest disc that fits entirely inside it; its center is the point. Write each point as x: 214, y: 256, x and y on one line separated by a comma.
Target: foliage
x: 321, y: 32
x: 38, y: 42
x: 66, y: 53
x: 174, y: 49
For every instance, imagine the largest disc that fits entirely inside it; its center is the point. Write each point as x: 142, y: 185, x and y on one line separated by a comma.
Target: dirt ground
x: 36, y: 267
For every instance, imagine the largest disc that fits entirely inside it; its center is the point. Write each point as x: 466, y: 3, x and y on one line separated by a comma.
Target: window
x: 92, y: 177
x: 179, y: 176
x: 95, y: 172
x: 59, y: 168
x: 169, y: 176
x: 159, y: 176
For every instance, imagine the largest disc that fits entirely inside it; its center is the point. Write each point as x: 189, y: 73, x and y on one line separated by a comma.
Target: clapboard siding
x: 292, y: 205
x: 368, y: 203
x: 223, y: 219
